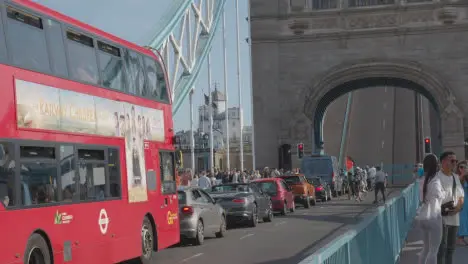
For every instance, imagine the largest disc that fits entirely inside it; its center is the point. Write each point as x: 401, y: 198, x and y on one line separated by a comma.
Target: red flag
x: 349, y: 164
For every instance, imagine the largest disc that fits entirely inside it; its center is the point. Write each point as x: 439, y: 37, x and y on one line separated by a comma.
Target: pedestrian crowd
x: 366, y: 179
x: 443, y: 215
x: 206, y: 179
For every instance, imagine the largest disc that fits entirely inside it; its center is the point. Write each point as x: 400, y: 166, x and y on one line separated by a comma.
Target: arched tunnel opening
x: 396, y: 86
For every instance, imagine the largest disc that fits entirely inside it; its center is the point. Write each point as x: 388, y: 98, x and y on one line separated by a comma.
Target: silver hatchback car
x: 200, y: 215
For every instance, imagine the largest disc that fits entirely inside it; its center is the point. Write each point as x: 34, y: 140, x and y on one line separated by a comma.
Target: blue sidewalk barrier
x: 378, y: 239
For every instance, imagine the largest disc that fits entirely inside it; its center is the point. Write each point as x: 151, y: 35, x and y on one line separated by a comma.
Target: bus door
x: 167, y: 218
x: 169, y: 194
x: 154, y: 195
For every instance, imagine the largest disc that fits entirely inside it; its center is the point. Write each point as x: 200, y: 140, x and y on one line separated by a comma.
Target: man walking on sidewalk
x: 379, y: 184
x: 454, y: 196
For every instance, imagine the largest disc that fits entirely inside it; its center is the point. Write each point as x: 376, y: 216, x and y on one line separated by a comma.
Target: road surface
x: 287, y: 240
x: 414, y: 245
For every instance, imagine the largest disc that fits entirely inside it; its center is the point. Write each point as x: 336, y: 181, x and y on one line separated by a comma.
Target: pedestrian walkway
x: 414, y: 244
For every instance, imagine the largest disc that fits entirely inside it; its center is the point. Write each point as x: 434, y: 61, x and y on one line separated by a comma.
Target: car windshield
x: 315, y: 181
x: 292, y: 179
x: 269, y: 187
x: 182, y: 196
x: 230, y: 188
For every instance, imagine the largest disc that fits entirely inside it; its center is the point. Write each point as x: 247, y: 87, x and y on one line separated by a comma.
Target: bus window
x: 135, y: 73
x: 114, y: 173
x: 56, y: 47
x: 167, y: 172
x: 82, y: 57
x: 111, y: 67
x: 27, y: 41
x: 92, y: 174
x: 67, y: 172
x: 161, y: 84
x: 3, y: 50
x: 152, y: 81
x: 7, y: 175
x: 39, y: 173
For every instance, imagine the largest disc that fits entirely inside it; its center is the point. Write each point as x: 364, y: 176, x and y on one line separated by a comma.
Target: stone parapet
x: 349, y: 22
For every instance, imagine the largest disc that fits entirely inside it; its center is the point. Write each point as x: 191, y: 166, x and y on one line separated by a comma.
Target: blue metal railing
x: 168, y: 22
x: 204, y: 47
x: 378, y: 239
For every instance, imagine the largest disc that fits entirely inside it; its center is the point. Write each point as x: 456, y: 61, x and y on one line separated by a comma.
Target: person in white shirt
x: 379, y: 183
x: 275, y: 173
x: 430, y: 214
x: 371, y: 176
x: 213, y: 180
x: 194, y: 181
x: 451, y: 221
x: 235, y: 177
x: 204, y: 182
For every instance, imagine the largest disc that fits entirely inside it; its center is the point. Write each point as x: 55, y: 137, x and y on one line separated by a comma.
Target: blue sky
x: 136, y: 21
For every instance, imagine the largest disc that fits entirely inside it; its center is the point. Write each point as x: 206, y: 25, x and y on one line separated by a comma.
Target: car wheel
x: 200, y: 238
x: 293, y: 207
x: 269, y: 216
x: 307, y: 202
x: 313, y: 201
x: 254, y: 218
x: 222, y: 228
x: 284, y: 210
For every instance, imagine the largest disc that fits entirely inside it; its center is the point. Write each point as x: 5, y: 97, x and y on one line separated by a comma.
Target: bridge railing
x: 378, y: 239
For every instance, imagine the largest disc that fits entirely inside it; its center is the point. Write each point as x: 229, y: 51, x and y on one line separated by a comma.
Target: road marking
x: 246, y: 236
x: 192, y: 257
x: 280, y: 223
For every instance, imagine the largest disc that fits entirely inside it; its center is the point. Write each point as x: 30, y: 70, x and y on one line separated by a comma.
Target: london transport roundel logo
x: 103, y: 221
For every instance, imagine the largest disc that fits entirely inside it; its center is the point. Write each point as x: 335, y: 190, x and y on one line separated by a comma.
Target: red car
x: 281, y: 194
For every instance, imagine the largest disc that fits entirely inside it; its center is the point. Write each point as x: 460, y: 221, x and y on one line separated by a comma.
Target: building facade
x: 304, y: 58
x: 202, y: 139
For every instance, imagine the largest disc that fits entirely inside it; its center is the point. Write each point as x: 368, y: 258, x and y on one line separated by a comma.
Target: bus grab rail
x: 378, y: 239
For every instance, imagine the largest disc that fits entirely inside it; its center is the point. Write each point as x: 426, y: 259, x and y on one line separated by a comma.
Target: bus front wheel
x: 147, y: 241
x: 37, y: 251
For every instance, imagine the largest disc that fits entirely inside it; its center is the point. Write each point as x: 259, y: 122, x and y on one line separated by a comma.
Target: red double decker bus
x: 87, y: 171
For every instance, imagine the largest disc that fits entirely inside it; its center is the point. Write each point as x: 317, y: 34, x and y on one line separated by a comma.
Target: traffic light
x: 300, y: 150
x: 427, y: 145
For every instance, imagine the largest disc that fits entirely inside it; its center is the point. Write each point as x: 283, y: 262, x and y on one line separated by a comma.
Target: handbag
x: 449, y: 206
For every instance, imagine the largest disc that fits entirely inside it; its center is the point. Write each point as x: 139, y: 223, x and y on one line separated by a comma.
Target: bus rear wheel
x: 37, y: 251
x: 147, y: 242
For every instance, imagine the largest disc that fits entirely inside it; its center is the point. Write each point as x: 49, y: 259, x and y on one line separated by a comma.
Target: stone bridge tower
x: 306, y: 53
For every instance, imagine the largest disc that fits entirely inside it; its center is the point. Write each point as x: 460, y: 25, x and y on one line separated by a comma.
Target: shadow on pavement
x: 350, y: 204
x: 309, y: 249
x: 347, y: 219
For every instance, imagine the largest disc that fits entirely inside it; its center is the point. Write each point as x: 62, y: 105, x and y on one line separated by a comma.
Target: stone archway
x: 406, y: 74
